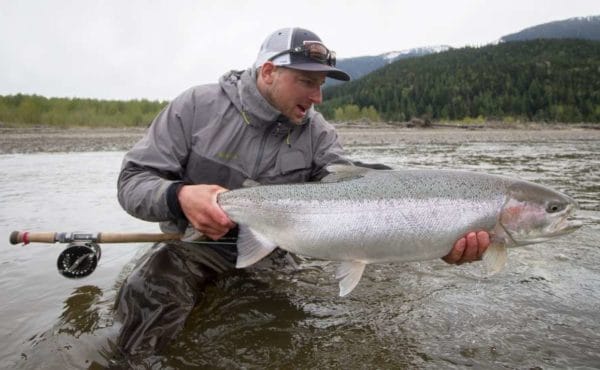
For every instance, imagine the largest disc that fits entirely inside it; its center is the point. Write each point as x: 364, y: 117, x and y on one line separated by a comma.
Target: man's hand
x: 199, y: 204
x: 468, y: 249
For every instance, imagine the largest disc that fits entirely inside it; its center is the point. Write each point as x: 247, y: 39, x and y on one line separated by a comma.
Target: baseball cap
x: 301, y: 49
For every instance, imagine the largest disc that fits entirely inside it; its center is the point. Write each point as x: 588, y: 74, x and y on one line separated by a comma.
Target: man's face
x: 293, y: 92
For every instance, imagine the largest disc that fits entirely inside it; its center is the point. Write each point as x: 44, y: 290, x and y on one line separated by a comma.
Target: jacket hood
x: 240, y: 87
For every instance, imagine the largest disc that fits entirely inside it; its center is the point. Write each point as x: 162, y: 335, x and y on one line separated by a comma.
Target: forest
x: 540, y: 80
x: 22, y: 109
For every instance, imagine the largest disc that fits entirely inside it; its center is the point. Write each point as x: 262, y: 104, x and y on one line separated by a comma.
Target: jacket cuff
x: 173, y: 202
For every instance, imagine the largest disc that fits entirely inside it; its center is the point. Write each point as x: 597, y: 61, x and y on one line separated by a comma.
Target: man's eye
x: 309, y: 83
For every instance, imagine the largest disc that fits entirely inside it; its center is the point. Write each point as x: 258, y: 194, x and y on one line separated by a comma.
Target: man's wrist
x: 173, y: 200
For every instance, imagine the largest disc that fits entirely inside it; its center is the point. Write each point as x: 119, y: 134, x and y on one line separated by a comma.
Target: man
x: 257, y: 124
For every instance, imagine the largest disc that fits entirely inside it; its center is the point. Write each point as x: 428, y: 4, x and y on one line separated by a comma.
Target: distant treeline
x: 34, y: 109
x: 541, y: 80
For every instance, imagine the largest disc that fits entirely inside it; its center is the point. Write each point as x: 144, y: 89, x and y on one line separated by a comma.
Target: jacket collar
x: 240, y: 87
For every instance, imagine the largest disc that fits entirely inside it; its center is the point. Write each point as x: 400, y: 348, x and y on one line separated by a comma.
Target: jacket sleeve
x: 327, y: 148
x: 153, y: 170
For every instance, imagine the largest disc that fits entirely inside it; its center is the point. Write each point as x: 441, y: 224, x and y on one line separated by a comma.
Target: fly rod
x: 80, y: 257
x: 25, y: 237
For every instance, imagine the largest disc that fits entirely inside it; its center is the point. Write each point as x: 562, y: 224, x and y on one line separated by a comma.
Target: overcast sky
x: 154, y: 49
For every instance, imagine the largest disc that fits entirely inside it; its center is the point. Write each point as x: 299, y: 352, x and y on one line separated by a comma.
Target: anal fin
x: 252, y: 247
x: 349, y: 274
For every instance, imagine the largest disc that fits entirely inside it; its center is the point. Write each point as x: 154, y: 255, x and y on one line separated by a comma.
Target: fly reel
x: 82, y: 254
x: 79, y: 259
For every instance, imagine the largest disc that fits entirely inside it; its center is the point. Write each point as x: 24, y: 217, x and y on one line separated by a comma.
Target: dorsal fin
x: 343, y: 172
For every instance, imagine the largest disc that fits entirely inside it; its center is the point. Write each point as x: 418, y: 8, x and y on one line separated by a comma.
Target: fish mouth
x: 566, y: 226
x: 570, y: 221
x: 571, y: 226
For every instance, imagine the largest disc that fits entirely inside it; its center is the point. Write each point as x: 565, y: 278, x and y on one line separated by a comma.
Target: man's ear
x: 267, y: 72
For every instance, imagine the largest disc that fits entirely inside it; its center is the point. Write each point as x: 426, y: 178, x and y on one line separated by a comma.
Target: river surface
x: 542, y: 311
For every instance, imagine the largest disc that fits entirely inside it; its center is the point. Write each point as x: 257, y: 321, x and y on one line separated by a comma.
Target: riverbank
x: 45, y: 139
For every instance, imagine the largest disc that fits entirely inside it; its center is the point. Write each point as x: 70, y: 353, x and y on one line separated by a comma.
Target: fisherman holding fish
x: 258, y: 124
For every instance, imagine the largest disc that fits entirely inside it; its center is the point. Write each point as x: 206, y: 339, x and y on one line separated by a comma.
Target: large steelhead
x: 361, y: 216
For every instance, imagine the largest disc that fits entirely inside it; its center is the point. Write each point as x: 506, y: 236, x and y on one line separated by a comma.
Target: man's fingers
x: 211, y: 231
x: 472, y: 248
x: 199, y: 204
x: 457, y: 251
x: 469, y: 248
x: 215, y: 235
x: 204, y: 223
x: 483, y: 241
x: 220, y: 218
x: 218, y: 215
x: 210, y: 217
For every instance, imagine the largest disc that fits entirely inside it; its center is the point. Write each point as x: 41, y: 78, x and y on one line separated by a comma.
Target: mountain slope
x: 360, y: 66
x: 584, y: 28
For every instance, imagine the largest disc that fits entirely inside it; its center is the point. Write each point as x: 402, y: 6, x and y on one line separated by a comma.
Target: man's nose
x: 316, y: 96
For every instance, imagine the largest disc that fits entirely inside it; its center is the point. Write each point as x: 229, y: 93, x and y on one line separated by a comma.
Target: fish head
x: 534, y: 213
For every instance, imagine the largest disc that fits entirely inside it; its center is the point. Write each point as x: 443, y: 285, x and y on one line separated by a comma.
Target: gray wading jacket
x: 220, y: 134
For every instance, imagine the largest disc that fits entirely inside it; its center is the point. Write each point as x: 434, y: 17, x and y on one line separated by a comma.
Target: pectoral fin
x: 494, y: 258
x: 349, y: 274
x: 252, y: 247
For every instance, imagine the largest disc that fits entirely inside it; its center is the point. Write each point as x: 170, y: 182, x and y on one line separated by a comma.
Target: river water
x: 542, y: 311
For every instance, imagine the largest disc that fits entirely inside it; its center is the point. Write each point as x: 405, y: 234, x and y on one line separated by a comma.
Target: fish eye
x: 554, y: 207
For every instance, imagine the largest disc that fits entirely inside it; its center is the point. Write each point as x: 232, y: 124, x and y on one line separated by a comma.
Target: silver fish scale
x: 383, y: 216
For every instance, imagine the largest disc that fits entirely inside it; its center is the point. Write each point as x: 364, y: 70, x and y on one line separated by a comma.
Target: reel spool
x: 79, y: 259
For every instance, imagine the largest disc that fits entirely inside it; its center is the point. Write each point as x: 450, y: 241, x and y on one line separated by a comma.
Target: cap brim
x: 332, y: 72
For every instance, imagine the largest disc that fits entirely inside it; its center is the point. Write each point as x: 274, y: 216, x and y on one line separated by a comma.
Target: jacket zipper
x: 261, y: 150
